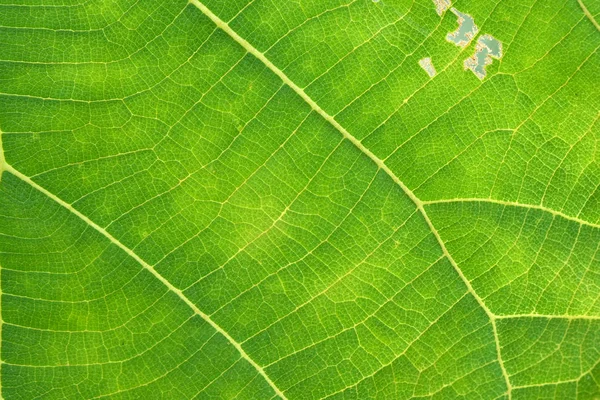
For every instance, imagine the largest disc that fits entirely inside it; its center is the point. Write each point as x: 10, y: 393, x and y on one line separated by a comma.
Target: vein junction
x: 420, y: 205
x: 381, y: 164
x: 151, y: 269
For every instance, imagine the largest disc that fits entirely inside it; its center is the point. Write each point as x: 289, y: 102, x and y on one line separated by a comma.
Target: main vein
x: 588, y: 14
x: 7, y: 167
x: 418, y: 203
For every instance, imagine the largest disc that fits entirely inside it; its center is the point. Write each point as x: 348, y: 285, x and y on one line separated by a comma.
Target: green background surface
x: 261, y: 199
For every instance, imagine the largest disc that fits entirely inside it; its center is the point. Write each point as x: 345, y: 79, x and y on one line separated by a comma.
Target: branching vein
x: 179, y: 293
x: 418, y: 203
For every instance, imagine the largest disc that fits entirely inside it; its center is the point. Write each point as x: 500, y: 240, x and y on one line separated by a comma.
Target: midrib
x: 4, y: 166
x: 379, y: 162
x: 8, y: 168
x: 588, y: 14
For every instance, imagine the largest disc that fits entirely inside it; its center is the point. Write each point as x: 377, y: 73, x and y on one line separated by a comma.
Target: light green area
x: 259, y: 199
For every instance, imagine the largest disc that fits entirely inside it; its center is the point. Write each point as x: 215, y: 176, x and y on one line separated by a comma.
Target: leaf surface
x: 260, y: 199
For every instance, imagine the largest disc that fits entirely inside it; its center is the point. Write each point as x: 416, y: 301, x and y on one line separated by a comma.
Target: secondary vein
x: 514, y: 204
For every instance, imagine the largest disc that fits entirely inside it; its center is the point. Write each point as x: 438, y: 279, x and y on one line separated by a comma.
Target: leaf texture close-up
x: 340, y: 199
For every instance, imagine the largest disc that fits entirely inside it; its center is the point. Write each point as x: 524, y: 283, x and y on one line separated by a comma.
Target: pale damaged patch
x: 427, y: 65
x: 487, y: 48
x: 466, y: 31
x: 441, y: 6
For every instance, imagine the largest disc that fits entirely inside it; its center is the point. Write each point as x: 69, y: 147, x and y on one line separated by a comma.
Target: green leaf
x: 300, y: 199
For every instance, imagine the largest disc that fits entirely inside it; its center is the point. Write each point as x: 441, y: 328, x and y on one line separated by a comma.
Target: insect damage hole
x: 441, y: 6
x: 427, y: 65
x: 487, y: 47
x: 466, y: 31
